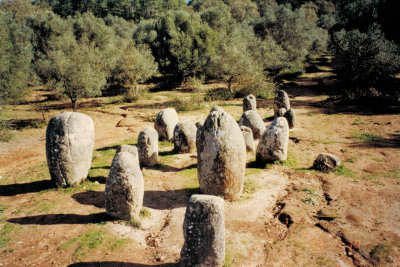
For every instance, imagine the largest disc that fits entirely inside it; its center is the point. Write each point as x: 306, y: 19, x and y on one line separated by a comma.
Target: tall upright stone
x: 185, y: 137
x: 274, y: 142
x: 148, y: 147
x: 124, y: 187
x: 221, y: 155
x: 204, y: 232
x: 290, y: 115
x: 248, y: 138
x: 252, y: 120
x: 249, y: 103
x: 69, y: 148
x: 165, y: 123
x: 281, y: 101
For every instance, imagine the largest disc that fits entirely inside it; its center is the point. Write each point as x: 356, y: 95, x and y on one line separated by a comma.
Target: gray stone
x: 274, y: 142
x: 221, y: 155
x: 185, y: 137
x: 148, y: 147
x: 326, y: 162
x: 248, y: 138
x: 281, y: 101
x: 124, y: 187
x: 165, y: 123
x: 249, y: 103
x: 281, y: 112
x: 290, y: 115
x: 128, y: 148
x: 204, y: 232
x: 252, y: 120
x: 69, y: 148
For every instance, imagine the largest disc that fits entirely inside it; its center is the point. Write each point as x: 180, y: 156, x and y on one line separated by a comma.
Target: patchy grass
x: 167, y: 159
x: 144, y: 212
x: 325, y: 261
x: 5, y: 234
x: 290, y: 162
x: 367, y: 137
x: 183, y: 104
x: 250, y: 186
x: 135, y: 223
x: 253, y: 171
x: 165, y: 144
x: 351, y: 160
x: 310, y: 201
x: 190, y: 175
x: 92, y: 240
x: 382, y: 253
x: 395, y: 174
x: 84, y: 186
x: 342, y: 170
x: 311, y: 192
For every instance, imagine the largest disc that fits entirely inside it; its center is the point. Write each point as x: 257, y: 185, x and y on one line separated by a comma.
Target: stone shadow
x: 167, y: 200
x: 50, y: 219
x: 33, y: 187
x: 95, y: 198
x: 117, y: 264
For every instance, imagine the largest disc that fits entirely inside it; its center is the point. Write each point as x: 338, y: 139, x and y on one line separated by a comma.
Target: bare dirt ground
x: 288, y: 215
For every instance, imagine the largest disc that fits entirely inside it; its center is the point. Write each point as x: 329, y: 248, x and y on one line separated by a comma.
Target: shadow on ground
x: 392, y: 142
x: 116, y: 264
x: 33, y: 187
x: 161, y: 200
x: 50, y: 219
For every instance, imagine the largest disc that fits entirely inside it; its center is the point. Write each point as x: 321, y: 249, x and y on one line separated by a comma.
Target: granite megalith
x: 252, y: 120
x: 185, y: 137
x: 165, y: 123
x: 148, y: 147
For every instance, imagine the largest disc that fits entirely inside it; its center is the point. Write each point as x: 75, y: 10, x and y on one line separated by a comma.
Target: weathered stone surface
x: 185, y: 137
x: 281, y: 112
x: 69, y: 147
x: 290, y: 115
x: 326, y: 162
x: 124, y: 187
x: 148, y: 147
x: 128, y: 148
x: 248, y: 138
x: 249, y: 103
x: 221, y: 155
x: 252, y: 120
x: 204, y: 231
x: 281, y: 101
x: 165, y: 123
x: 274, y: 142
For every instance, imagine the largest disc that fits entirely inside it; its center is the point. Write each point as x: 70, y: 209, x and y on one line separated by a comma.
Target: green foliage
x: 365, y: 63
x: 311, y: 192
x: 382, y: 253
x: 15, y: 58
x: 181, y: 104
x: 144, y: 212
x: 136, y: 66
x: 183, y: 45
x: 310, y: 201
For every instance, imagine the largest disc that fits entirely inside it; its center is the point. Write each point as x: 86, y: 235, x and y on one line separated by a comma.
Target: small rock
x: 326, y: 162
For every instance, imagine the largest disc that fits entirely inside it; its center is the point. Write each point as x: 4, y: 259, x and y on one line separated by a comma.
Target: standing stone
x: 290, y: 115
x: 221, y: 154
x: 281, y: 112
x: 248, y: 138
x: 326, y: 162
x: 165, y: 123
x: 124, y: 187
x: 274, y: 142
x: 148, y: 147
x: 252, y: 120
x: 128, y: 148
x: 281, y: 101
x: 249, y: 103
x: 185, y: 137
x: 69, y: 148
x: 204, y: 232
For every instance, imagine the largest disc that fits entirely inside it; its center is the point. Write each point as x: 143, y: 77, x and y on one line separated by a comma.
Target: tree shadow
x: 392, y: 142
x: 118, y: 264
x: 95, y: 198
x: 33, y: 187
x: 168, y: 200
x: 51, y: 219
x: 107, y: 148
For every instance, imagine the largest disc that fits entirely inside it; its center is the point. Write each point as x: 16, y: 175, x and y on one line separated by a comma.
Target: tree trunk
x: 230, y: 84
x: 73, y: 104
